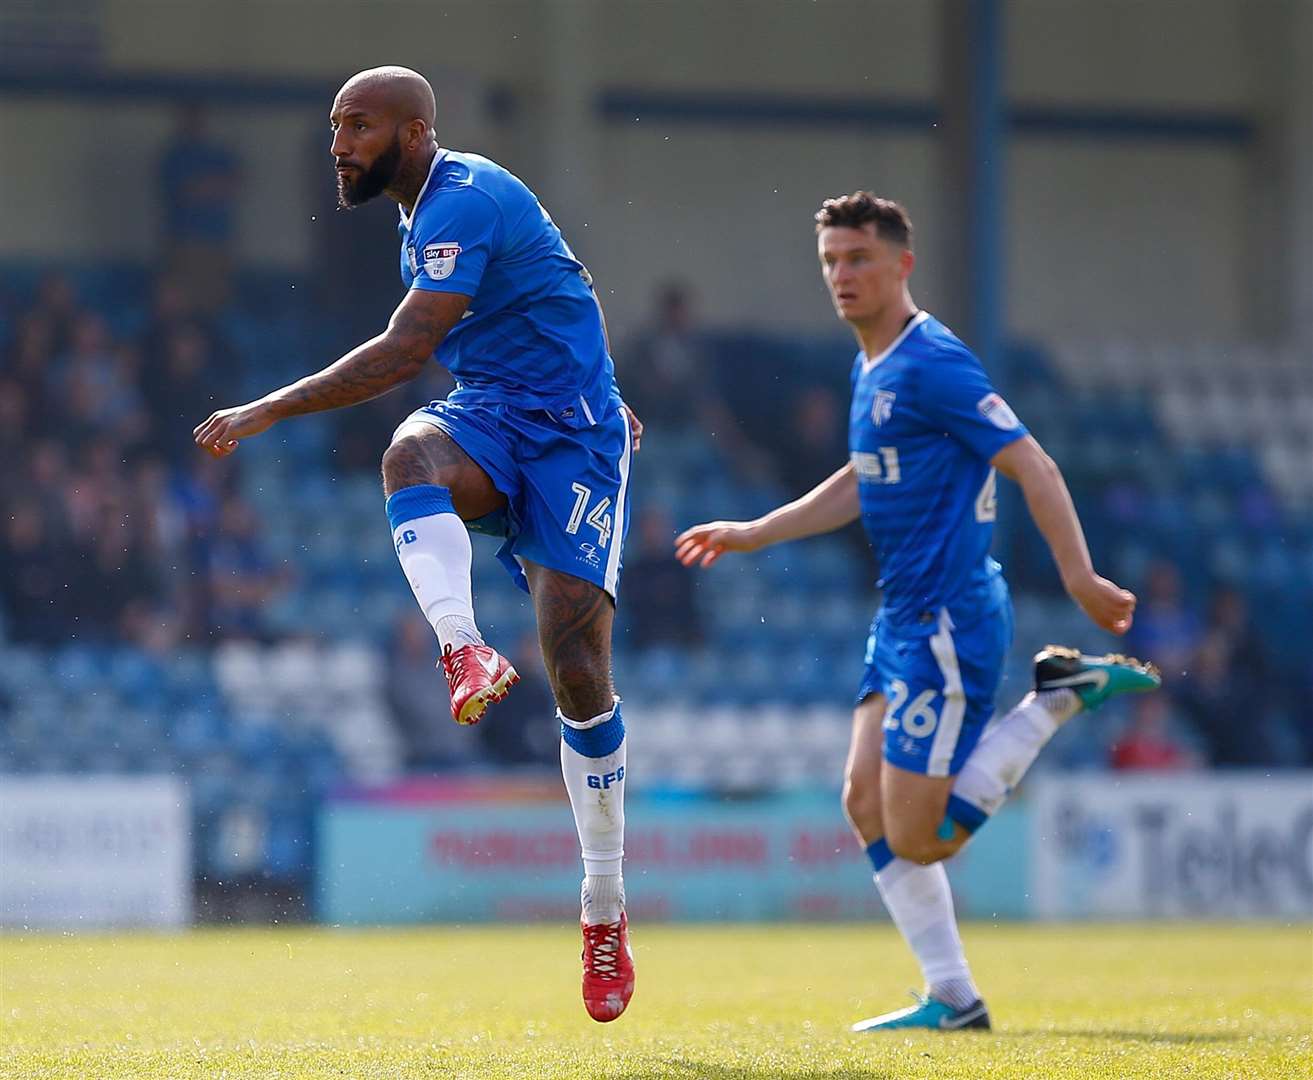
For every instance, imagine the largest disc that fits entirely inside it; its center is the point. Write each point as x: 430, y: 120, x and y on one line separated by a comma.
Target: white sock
x: 434, y: 549
x: 593, y: 765
x: 1009, y: 747
x: 921, y: 906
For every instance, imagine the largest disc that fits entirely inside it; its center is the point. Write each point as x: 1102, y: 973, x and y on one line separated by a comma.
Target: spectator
x: 1231, y: 632
x: 1165, y: 630
x: 242, y: 577
x: 817, y: 442
x: 184, y: 383
x: 658, y: 591
x: 1227, y: 710
x: 161, y: 538
x: 95, y: 493
x: 33, y: 586
x: 111, y: 585
x: 96, y: 382
x: 668, y: 374
x: 45, y: 481
x: 198, y: 178
x: 1148, y: 743
x: 524, y: 730
x: 29, y: 359
x: 56, y: 306
x: 14, y: 428
x: 665, y: 368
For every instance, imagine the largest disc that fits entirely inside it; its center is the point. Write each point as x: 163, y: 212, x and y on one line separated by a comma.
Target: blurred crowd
x: 117, y: 530
x: 1221, y: 693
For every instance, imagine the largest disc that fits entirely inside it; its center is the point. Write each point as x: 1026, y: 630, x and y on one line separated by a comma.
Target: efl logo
x: 440, y: 260
x: 997, y: 411
x: 606, y: 780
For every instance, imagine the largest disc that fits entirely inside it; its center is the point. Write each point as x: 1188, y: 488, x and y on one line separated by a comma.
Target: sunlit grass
x: 720, y: 1002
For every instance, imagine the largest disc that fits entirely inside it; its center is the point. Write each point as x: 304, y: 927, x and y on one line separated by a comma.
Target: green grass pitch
x: 725, y: 1003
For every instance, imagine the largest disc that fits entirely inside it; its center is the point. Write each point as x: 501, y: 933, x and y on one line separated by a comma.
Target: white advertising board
x: 84, y: 852
x: 1172, y: 846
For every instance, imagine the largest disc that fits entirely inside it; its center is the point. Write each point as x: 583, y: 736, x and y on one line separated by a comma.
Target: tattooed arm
x: 396, y: 356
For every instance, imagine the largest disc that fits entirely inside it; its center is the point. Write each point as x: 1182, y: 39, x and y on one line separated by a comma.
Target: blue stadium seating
x: 258, y: 745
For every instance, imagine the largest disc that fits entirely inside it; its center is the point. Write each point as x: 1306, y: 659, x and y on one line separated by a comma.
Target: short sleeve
x: 960, y: 398
x: 454, y: 236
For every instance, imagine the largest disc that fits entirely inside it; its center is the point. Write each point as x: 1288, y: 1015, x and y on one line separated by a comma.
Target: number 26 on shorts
x: 918, y: 719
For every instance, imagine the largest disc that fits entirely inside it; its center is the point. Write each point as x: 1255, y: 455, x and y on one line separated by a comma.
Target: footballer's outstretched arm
x: 830, y: 505
x: 396, y: 356
x: 1050, y: 505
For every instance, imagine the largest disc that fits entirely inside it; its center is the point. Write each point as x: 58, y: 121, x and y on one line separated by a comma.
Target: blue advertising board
x: 404, y: 860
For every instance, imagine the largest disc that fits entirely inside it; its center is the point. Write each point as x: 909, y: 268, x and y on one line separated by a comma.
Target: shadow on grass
x: 1125, y: 1035
x: 680, y: 1069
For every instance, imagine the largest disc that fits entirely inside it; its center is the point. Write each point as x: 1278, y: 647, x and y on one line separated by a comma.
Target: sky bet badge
x: 440, y: 260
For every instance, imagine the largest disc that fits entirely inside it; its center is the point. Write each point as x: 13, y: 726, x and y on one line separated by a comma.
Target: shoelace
x: 453, y: 664
x: 602, y: 950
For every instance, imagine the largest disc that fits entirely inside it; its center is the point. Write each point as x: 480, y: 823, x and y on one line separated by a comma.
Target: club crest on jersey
x: 883, y: 408
x: 440, y: 260
x: 997, y: 411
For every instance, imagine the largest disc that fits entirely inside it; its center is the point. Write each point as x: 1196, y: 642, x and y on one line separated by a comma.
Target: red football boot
x: 608, y: 969
x: 477, y: 676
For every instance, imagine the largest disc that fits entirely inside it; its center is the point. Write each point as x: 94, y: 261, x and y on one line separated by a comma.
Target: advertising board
x: 85, y: 852
x: 1210, y: 845
x: 385, y: 860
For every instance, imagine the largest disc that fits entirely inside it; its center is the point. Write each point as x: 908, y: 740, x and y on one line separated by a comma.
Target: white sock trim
x: 584, y: 725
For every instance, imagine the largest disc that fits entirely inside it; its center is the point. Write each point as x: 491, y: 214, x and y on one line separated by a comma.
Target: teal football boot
x: 932, y: 1014
x: 1094, y: 679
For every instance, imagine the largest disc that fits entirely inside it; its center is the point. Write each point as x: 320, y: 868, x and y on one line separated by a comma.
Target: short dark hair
x: 862, y: 208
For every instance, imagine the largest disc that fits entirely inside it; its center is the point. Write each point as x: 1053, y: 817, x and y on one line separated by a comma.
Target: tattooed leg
x: 423, y: 454
x: 574, y: 631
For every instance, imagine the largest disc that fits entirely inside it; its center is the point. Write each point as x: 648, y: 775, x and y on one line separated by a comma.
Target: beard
x: 358, y: 188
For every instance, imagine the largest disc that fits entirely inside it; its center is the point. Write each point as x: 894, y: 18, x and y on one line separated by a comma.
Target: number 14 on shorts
x: 597, y: 517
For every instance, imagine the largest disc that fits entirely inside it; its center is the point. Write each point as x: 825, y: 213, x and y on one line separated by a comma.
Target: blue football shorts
x: 939, y: 688
x: 567, y: 490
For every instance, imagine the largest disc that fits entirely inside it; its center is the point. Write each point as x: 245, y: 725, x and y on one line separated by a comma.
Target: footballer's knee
x: 408, y: 462
x: 916, y: 844
x: 582, y: 690
x: 861, y: 804
x: 422, y: 454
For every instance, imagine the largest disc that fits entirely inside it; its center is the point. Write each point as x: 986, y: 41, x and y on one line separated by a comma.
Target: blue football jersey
x: 924, y: 424
x: 532, y: 336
